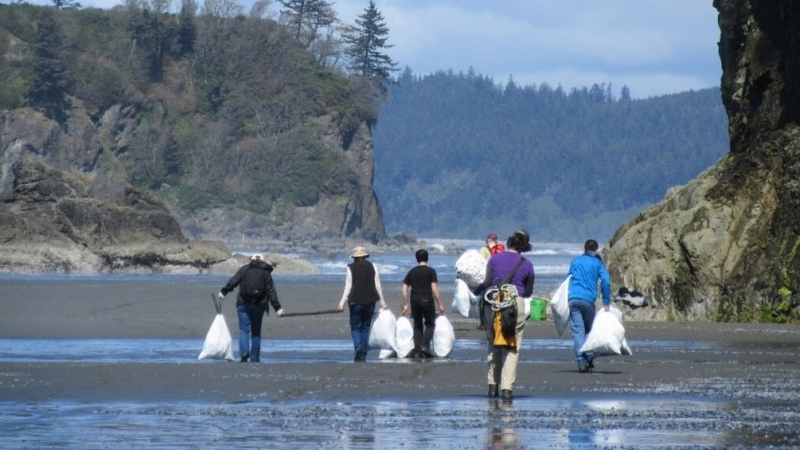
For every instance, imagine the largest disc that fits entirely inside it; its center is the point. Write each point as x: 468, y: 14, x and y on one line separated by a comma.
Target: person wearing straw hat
x: 362, y: 289
x: 256, y: 287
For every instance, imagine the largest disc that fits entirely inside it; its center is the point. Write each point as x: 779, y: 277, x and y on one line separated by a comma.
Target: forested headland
x: 459, y: 154
x: 243, y: 121
x: 251, y: 124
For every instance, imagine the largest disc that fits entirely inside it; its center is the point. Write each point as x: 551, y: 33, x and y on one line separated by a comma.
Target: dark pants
x: 423, y: 313
x: 360, y: 322
x: 250, y: 316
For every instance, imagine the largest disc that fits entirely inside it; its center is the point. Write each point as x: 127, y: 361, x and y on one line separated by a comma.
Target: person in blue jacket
x: 586, y: 270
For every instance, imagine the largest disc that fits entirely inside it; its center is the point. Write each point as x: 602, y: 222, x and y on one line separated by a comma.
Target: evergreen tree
x: 306, y: 18
x: 187, y: 27
x: 50, y: 76
x: 625, y: 94
x: 364, y: 43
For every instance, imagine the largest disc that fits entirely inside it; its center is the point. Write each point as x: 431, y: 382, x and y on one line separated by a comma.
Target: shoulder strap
x: 513, y: 271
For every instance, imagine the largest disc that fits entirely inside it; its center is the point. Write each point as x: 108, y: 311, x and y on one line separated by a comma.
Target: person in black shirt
x: 424, y: 290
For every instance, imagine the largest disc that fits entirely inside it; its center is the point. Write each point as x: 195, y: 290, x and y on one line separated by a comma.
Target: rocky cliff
x: 66, y: 206
x: 332, y: 223
x: 725, y: 246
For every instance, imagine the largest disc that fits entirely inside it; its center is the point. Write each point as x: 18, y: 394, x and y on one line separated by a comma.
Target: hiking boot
x: 359, y: 356
x: 245, y: 356
x: 426, y: 352
x: 492, y: 390
x: 590, y: 366
x: 507, y: 395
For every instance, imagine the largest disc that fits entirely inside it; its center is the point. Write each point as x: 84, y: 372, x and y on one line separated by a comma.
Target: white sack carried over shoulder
x: 444, y: 337
x: 464, y: 301
x: 559, y: 306
x: 218, y: 341
x: 471, y: 268
x: 405, y: 337
x: 607, y: 335
x: 382, y: 333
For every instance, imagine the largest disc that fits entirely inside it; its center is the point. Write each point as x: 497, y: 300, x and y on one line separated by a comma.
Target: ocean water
x: 550, y: 262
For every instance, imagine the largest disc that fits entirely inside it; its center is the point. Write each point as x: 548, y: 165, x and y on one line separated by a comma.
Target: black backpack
x: 252, y: 287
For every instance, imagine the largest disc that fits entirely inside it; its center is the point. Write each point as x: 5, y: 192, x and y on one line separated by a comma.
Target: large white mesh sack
x: 382, y: 333
x: 607, y: 335
x: 559, y: 306
x: 471, y: 268
x: 404, y: 342
x: 444, y: 337
x: 464, y: 301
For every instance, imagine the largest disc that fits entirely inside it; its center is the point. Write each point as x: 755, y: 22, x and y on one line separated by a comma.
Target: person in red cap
x: 491, y: 247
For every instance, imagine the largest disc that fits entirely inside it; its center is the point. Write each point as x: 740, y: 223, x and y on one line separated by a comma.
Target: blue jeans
x: 360, y: 322
x: 581, y: 316
x: 250, y: 316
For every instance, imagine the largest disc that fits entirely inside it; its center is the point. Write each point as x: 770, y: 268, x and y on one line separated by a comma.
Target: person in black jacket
x: 362, y: 289
x: 255, y: 289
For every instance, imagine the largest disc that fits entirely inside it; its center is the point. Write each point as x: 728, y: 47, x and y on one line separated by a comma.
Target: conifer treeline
x: 457, y: 155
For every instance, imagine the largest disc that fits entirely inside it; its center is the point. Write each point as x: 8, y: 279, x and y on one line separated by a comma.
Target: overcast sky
x: 654, y: 47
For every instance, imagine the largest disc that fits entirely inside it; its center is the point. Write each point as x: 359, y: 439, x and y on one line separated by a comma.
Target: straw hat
x: 359, y: 252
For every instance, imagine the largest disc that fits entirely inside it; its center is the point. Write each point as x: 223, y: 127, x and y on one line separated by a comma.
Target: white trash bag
x: 382, y: 332
x: 404, y: 337
x: 218, y: 340
x: 624, y: 348
x: 471, y: 268
x: 607, y: 336
x: 464, y: 301
x: 386, y: 354
x: 444, y: 337
x: 559, y: 306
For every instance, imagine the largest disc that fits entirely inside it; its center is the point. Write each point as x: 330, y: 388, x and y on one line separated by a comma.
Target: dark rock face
x: 49, y: 224
x: 66, y: 207
x: 726, y: 245
x: 66, y: 184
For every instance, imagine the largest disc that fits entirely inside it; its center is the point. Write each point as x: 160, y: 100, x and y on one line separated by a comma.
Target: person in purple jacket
x: 586, y: 270
x: 503, y: 360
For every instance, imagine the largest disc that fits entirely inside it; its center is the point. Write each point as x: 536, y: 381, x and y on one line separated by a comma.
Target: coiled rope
x: 501, y: 298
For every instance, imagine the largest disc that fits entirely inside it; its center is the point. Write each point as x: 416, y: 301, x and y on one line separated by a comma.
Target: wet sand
x: 704, y: 360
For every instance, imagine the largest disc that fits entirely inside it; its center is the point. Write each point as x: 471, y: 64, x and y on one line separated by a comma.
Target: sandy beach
x: 741, y: 354
x: 698, y: 361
